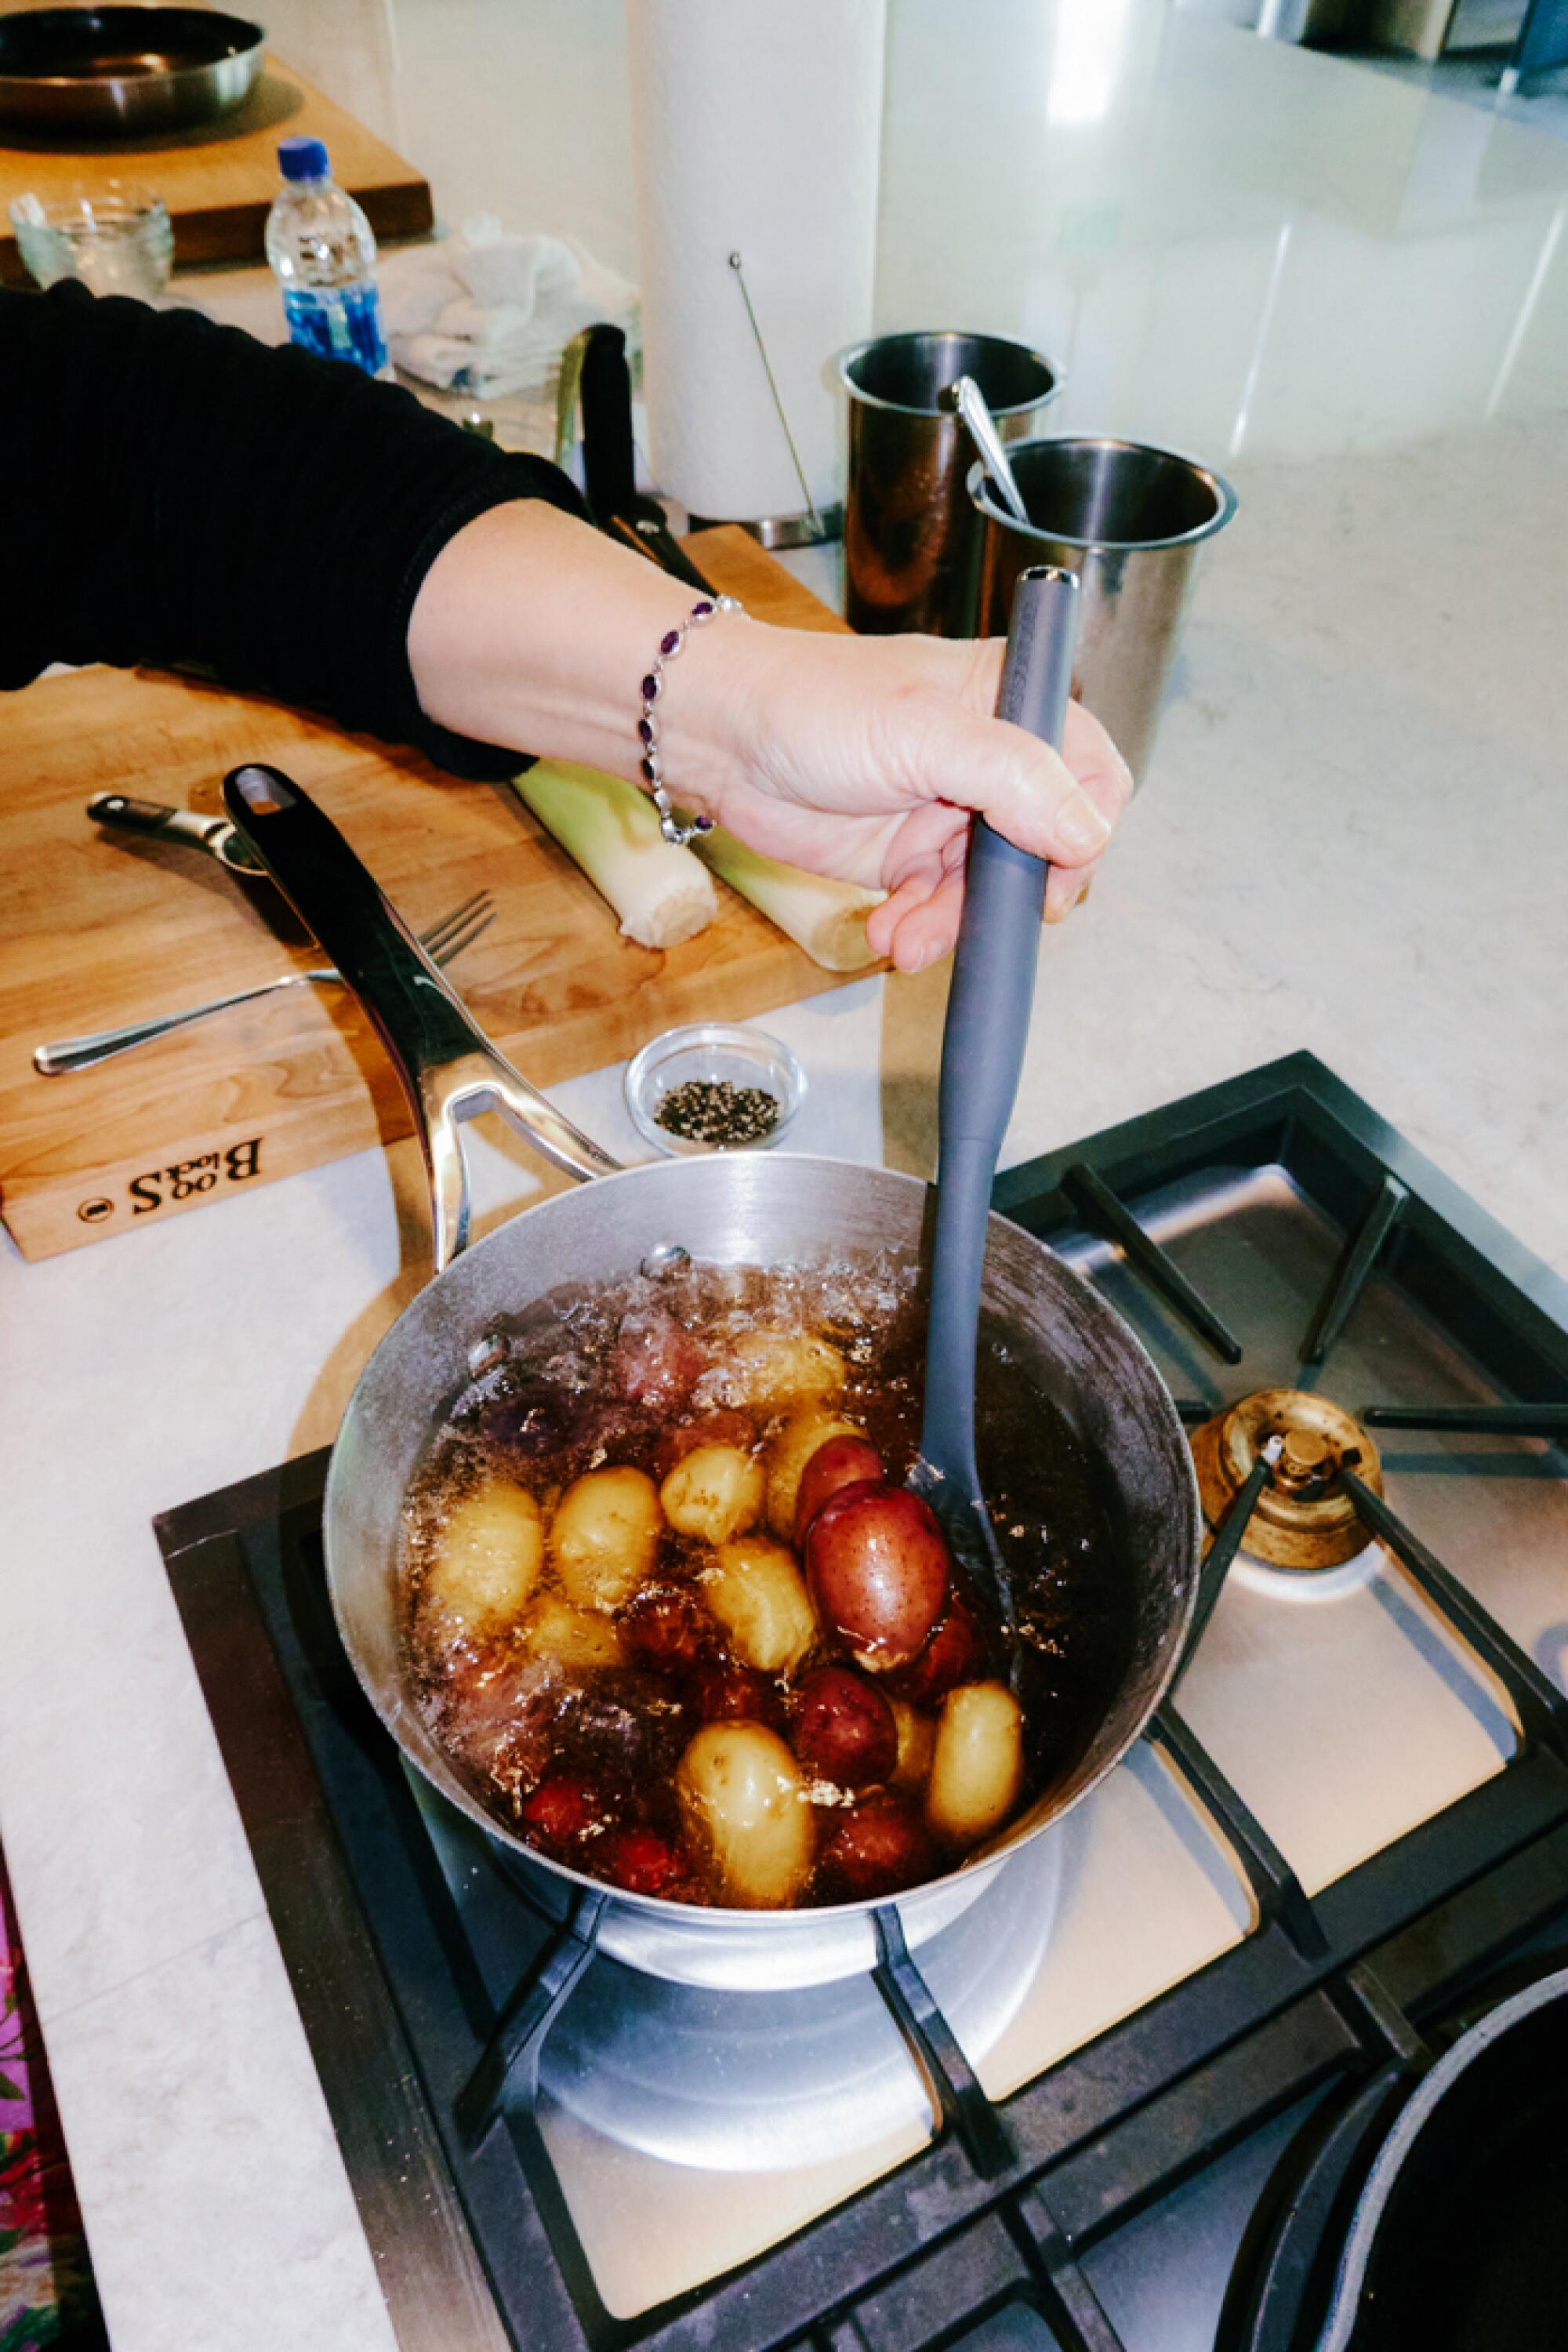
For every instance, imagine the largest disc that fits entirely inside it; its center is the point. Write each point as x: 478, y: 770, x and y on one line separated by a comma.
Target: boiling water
x: 548, y: 1410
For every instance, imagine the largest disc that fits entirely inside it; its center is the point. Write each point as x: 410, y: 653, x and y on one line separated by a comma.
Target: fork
x: 442, y: 942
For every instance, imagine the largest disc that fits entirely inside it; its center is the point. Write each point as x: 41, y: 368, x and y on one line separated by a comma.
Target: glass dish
x: 715, y: 1051
x: 116, y: 238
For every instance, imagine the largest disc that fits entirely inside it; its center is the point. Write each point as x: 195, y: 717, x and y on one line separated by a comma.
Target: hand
x: 864, y: 757
x: 860, y: 757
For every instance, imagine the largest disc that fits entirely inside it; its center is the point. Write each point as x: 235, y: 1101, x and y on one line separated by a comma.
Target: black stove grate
x: 431, y: 2078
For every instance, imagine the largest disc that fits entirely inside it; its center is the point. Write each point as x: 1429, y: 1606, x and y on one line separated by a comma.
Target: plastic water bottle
x: 323, y: 252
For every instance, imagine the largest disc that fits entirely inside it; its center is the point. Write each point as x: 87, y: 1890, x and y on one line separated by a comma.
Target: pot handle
x: 448, y: 1067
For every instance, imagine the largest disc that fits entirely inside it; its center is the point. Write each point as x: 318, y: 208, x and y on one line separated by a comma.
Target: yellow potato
x: 917, y: 1741
x: 573, y: 1639
x: 758, y: 1594
x: 714, y: 1492
x: 771, y: 1369
x: 977, y: 1770
x: 486, y: 1561
x: 605, y: 1535
x: 787, y: 1456
x: 745, y: 1802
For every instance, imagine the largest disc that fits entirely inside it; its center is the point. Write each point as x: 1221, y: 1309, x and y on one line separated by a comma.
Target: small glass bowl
x: 712, y: 1050
x: 116, y: 238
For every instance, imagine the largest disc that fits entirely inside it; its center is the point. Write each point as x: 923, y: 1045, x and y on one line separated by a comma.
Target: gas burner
x: 1303, y: 1518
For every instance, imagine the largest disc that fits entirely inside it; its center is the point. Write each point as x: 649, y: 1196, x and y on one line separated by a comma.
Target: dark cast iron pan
x: 124, y: 72
x: 1456, y: 2238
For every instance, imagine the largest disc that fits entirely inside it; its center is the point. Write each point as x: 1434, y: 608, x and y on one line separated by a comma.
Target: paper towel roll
x: 758, y: 132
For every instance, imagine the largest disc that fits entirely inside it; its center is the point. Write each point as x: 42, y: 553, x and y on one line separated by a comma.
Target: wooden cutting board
x: 96, y: 931
x: 218, y: 180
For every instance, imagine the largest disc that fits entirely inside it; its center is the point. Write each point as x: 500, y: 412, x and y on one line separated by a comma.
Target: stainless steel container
x: 1130, y: 520
x: 133, y: 70
x: 911, y: 538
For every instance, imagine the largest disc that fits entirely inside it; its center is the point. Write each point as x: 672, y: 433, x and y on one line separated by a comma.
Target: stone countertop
x: 1351, y: 296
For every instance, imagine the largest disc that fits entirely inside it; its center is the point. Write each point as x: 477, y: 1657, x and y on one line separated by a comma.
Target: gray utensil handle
x: 999, y: 938
x: 988, y: 1025
x: 448, y: 1067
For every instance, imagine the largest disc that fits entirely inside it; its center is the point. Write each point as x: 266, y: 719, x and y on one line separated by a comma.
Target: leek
x: 827, y: 919
x: 659, y: 894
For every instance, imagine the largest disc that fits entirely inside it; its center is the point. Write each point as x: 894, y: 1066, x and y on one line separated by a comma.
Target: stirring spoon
x: 970, y: 402
x: 982, y: 1059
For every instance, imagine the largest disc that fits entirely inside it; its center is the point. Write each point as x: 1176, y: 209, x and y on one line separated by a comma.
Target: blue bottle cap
x: 302, y: 159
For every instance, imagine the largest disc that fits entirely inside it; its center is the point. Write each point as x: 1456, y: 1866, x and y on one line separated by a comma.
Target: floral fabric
x: 46, y: 2298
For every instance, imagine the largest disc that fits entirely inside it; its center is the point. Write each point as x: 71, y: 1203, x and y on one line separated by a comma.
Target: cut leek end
x: 660, y: 894
x: 825, y: 917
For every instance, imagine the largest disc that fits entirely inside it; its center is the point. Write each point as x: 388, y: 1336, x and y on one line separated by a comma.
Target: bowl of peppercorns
x: 714, y: 1087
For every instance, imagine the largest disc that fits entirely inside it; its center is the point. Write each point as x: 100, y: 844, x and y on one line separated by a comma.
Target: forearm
x: 534, y: 630
x: 187, y: 494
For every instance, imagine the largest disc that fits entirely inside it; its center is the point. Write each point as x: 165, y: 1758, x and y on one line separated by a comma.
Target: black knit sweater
x: 175, y: 491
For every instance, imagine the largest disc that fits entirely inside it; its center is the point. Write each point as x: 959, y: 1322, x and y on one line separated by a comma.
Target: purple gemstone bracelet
x: 669, y: 646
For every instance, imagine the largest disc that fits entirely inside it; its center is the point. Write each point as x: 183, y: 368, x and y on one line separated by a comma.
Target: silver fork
x: 442, y: 942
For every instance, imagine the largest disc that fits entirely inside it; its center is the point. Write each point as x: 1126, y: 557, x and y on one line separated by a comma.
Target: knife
x: 609, y: 459
x: 155, y: 822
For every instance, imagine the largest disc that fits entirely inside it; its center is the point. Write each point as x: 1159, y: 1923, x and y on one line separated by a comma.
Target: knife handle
x: 155, y: 822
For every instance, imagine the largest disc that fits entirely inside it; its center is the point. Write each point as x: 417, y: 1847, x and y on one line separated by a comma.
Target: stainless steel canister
x: 1130, y: 521
x: 911, y: 538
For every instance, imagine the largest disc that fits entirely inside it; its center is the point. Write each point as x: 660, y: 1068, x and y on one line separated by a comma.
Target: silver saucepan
x: 750, y: 1209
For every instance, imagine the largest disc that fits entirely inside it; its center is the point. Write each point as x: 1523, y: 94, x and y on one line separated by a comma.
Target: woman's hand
x: 861, y: 757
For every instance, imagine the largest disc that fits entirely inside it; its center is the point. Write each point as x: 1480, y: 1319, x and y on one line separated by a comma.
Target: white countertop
x: 1353, y: 298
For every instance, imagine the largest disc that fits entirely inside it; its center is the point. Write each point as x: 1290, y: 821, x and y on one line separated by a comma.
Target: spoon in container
x: 970, y: 402
x: 983, y: 1045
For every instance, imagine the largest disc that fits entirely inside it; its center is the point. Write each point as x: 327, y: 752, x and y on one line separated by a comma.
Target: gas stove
x: 1055, y: 2129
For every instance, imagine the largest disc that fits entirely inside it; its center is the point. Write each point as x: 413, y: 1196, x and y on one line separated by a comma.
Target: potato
x: 758, y: 1594
x: 977, y: 1770
x: 838, y: 1461
x: 771, y: 1369
x: 877, y: 1850
x: 917, y: 1742
x: 745, y: 1802
x: 605, y: 1535
x: 878, y: 1570
x: 573, y: 1639
x: 844, y: 1728
x: 486, y: 1563
x: 955, y: 1654
x: 714, y: 1492
x: 787, y: 1456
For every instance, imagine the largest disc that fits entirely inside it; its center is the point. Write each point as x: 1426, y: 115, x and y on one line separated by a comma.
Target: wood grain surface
x: 219, y: 180
x: 96, y: 929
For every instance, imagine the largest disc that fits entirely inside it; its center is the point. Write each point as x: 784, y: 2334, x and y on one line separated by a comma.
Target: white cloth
x: 489, y: 313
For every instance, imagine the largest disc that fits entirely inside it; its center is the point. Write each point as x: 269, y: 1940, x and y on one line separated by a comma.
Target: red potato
x: 667, y: 1628
x: 878, y: 1849
x: 721, y: 1692
x: 843, y: 1728
x: 640, y: 1860
x: 561, y: 1809
x: 656, y: 1361
x: 879, y: 1571
x: 955, y: 1654
x: 839, y: 1462
x: 722, y: 1427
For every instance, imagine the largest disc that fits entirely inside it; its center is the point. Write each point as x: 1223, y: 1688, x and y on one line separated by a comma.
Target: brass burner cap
x: 1303, y: 1520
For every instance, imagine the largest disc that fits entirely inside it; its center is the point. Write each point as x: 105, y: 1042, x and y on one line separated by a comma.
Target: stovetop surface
x: 1357, y: 1801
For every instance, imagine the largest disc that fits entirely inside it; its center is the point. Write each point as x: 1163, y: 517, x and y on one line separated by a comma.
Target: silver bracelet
x: 672, y: 827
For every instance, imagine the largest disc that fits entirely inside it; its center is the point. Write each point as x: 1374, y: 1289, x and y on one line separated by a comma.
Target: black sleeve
x: 176, y: 491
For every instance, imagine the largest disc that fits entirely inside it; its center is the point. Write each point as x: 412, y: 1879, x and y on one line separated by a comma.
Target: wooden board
x: 219, y: 180
x: 96, y: 930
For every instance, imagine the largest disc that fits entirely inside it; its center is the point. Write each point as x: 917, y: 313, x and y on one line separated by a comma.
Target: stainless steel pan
x: 127, y: 71
x: 746, y: 1209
